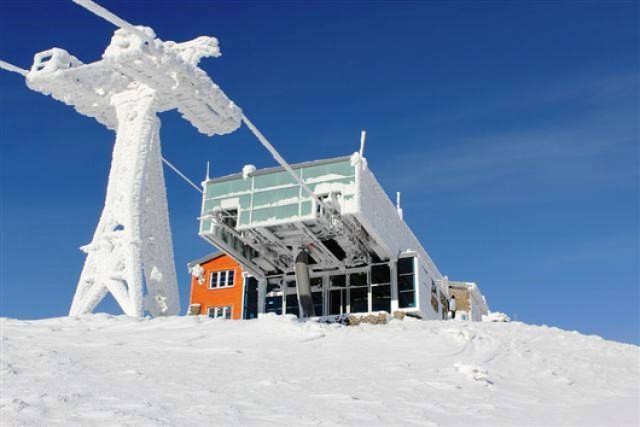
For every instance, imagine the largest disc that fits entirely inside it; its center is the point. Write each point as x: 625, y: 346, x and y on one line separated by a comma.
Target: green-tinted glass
x: 274, y: 179
x: 218, y: 189
x: 271, y: 197
x: 328, y: 170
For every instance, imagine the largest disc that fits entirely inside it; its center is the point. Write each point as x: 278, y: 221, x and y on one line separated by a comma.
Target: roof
x: 278, y: 169
x: 206, y: 258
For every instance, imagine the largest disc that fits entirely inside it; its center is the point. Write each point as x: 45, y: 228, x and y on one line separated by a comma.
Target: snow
x: 100, y: 369
x: 247, y: 170
x: 495, y: 316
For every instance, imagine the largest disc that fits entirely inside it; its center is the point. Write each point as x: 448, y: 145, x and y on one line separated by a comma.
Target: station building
x: 359, y: 254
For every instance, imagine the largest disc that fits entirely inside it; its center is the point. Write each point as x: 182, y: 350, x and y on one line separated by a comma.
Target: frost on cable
x: 131, y: 254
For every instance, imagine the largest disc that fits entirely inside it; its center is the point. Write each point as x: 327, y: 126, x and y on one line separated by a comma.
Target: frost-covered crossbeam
x: 168, y: 68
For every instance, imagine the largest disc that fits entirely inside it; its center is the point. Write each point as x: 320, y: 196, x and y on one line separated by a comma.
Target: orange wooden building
x: 218, y: 288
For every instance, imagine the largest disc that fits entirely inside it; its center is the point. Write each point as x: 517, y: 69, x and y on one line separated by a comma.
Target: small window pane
x: 380, y: 274
x: 317, y: 303
x: 406, y: 299
x: 292, y: 305
x: 359, y: 300
x: 405, y: 265
x: 230, y: 275
x: 227, y: 312
x: 316, y: 282
x: 338, y: 281
x: 405, y: 283
x: 273, y: 304
x: 273, y: 285
x: 337, y: 301
x: 358, y: 279
x: 381, y: 298
x: 213, y: 280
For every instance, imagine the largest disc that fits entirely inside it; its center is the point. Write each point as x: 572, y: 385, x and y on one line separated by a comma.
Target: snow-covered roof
x: 206, y: 258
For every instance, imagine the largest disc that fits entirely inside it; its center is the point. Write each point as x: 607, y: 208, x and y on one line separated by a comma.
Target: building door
x: 250, y: 310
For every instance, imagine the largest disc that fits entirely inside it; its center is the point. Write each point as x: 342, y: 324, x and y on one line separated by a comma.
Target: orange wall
x: 201, y: 294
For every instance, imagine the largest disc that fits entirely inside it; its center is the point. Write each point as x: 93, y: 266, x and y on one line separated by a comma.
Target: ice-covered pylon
x: 133, y: 239
x: 131, y: 254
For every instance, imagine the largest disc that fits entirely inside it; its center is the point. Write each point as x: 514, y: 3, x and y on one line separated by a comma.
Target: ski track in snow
x: 117, y: 370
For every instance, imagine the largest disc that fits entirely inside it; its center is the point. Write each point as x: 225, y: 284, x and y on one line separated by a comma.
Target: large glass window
x: 358, y: 293
x: 338, y: 294
x: 381, y: 288
x: 406, y: 283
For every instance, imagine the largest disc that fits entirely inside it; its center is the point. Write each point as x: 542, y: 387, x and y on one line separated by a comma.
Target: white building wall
x: 380, y: 218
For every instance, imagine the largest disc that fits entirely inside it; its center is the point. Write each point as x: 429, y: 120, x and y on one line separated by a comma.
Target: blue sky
x: 512, y: 130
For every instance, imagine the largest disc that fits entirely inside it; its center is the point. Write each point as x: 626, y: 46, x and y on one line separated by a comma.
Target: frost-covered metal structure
x: 139, y: 75
x: 351, y: 230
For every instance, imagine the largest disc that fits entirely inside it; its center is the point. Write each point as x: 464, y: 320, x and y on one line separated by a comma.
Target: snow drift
x: 102, y: 369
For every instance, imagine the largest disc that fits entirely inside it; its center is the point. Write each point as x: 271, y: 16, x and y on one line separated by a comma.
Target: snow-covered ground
x: 102, y: 369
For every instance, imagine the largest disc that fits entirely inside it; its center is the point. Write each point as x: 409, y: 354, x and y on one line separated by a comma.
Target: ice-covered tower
x: 131, y: 253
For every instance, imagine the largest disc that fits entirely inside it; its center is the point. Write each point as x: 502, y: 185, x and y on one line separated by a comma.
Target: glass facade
x: 360, y: 291
x: 275, y: 197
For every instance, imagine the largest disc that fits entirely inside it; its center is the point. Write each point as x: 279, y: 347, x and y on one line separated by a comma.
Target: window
x: 273, y: 304
x: 358, y: 293
x: 250, y: 309
x: 214, y: 279
x: 317, y: 303
x: 221, y: 279
x: 273, y: 285
x: 316, y: 295
x: 292, y: 305
x: 338, y: 294
x: 230, y: 217
x: 381, y: 288
x: 291, y: 284
x: 273, y: 301
x: 222, y: 312
x: 406, y: 285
